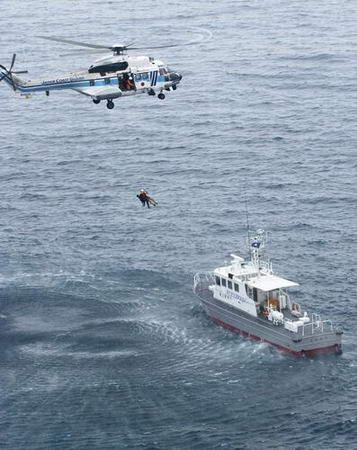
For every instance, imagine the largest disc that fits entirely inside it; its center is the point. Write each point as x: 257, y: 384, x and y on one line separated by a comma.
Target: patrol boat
x: 246, y: 297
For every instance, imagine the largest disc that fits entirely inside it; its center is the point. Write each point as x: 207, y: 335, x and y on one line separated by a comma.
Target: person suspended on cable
x: 145, y: 198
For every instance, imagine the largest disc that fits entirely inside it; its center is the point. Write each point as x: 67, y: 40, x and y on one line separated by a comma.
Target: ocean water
x: 103, y: 345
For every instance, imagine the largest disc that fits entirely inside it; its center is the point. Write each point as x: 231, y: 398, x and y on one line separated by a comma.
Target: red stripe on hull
x: 317, y: 351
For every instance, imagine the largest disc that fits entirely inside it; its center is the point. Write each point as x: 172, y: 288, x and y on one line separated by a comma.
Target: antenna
x: 247, y: 220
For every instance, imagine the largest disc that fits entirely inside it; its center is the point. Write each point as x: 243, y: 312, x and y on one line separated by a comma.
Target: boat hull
x: 335, y: 348
x: 262, y: 330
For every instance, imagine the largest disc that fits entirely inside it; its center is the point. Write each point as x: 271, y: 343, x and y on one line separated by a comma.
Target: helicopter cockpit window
x: 107, y: 81
x: 163, y: 71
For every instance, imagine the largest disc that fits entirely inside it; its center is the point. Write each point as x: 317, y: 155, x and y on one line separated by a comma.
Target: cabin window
x: 224, y: 282
x: 107, y: 81
x: 255, y: 294
x: 236, y: 287
x: 229, y: 284
x: 138, y: 77
x: 218, y: 281
x: 111, y: 67
x: 91, y: 82
x: 249, y: 291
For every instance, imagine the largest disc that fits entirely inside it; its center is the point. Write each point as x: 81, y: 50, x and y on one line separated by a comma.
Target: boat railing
x: 315, y: 317
x: 266, y: 267
x: 316, y: 326
x: 202, y: 280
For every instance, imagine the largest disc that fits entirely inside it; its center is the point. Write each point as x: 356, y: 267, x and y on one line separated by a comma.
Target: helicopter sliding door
x: 126, y: 82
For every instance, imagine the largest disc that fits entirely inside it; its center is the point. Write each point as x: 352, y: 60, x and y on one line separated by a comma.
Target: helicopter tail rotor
x: 8, y: 74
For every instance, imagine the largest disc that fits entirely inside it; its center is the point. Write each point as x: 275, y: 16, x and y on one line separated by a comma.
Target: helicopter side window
x: 121, y: 66
x: 91, y: 82
x: 126, y: 82
x: 107, y: 81
x: 145, y: 76
x: 138, y: 77
x: 112, y: 67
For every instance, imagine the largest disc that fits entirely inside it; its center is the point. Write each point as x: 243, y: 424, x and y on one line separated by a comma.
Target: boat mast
x: 257, y: 243
x: 247, y: 221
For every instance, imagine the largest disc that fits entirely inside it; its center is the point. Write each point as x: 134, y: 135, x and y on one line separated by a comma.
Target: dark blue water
x: 102, y: 342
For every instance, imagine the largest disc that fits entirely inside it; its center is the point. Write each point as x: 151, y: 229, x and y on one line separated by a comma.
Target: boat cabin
x: 257, y: 291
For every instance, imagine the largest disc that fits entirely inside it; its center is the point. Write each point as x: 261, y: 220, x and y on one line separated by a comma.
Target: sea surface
x: 103, y: 344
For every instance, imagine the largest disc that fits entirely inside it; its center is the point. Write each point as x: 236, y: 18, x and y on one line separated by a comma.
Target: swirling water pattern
x: 103, y: 345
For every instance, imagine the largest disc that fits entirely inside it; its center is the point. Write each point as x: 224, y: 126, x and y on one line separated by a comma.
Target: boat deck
x: 307, y: 330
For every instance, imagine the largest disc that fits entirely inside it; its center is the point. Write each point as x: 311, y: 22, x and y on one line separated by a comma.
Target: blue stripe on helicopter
x: 66, y: 85
x: 153, y: 77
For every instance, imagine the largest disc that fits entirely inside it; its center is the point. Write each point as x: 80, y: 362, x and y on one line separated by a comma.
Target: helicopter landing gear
x: 161, y: 96
x: 174, y: 87
x: 96, y: 101
x: 110, y: 104
x: 151, y: 92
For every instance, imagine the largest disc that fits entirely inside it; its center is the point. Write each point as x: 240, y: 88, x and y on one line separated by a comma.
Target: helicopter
x: 114, y: 76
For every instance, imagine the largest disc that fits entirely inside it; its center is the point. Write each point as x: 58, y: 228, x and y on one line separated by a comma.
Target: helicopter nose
x: 174, y: 76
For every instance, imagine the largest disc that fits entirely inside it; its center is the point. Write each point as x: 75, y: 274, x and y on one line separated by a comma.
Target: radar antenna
x: 257, y: 245
x: 247, y: 221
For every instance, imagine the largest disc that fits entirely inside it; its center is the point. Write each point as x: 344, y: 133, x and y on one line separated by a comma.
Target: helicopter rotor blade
x: 12, y: 81
x: 12, y: 62
x: 120, y: 48
x: 205, y: 35
x: 8, y: 73
x: 81, y: 44
x: 83, y: 51
x: 5, y: 73
x: 158, y: 46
